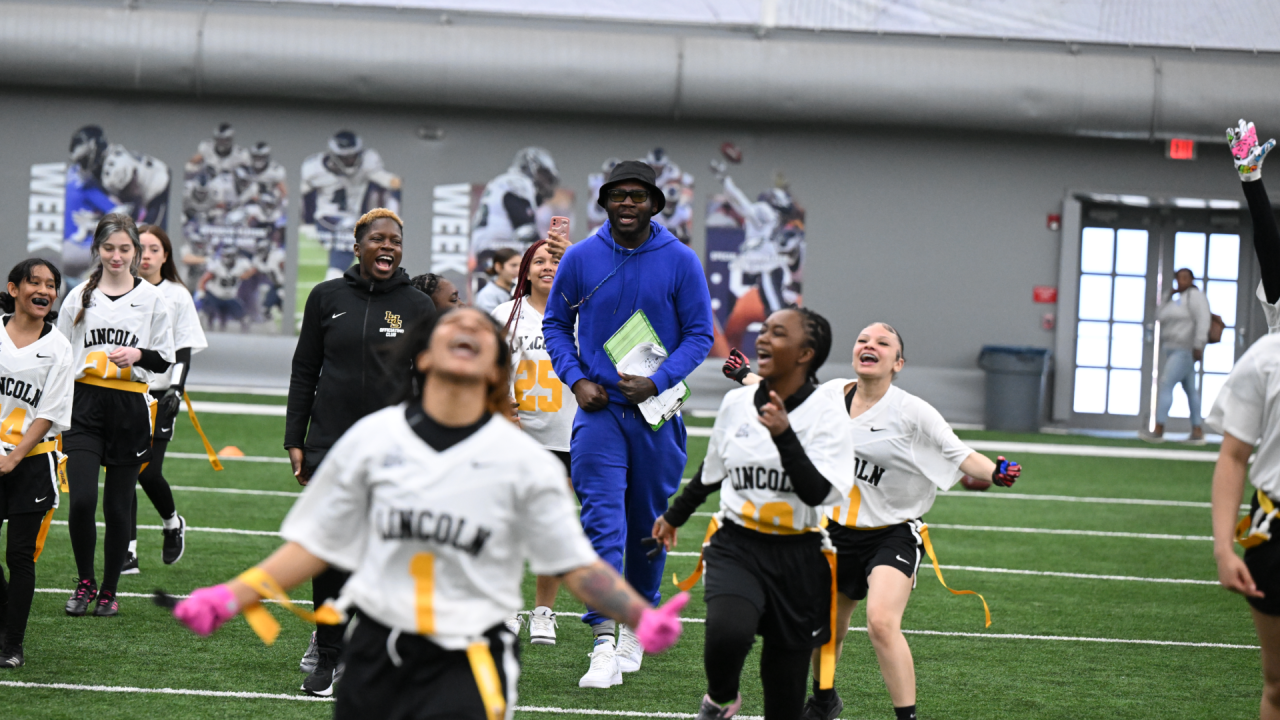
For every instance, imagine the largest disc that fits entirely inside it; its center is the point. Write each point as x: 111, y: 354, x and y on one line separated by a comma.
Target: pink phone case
x: 561, y: 224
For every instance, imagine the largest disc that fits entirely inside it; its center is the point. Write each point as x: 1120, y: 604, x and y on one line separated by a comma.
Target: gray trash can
x: 1017, y: 385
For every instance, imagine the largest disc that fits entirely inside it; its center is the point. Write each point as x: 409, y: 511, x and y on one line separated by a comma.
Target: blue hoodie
x: 662, y: 277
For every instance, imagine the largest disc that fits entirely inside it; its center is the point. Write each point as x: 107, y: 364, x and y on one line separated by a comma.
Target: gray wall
x: 941, y: 234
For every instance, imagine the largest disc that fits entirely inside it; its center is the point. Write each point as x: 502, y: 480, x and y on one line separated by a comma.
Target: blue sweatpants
x: 623, y: 473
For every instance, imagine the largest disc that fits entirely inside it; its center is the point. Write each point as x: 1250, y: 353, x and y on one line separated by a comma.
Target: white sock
x: 133, y: 547
x: 542, y: 610
x: 171, y: 523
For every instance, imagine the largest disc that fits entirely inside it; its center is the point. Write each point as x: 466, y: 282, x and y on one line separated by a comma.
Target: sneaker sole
x: 628, y: 668
x: 327, y: 692
x: 131, y: 571
x: 541, y: 640
x: 615, y: 680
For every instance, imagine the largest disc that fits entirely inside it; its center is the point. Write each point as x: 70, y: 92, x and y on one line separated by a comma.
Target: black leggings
x: 327, y: 586
x: 157, y: 488
x: 1266, y: 238
x: 117, y: 495
x: 784, y: 671
x: 15, y: 595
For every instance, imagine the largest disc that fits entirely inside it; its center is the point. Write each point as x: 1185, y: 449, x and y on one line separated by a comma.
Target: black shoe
x: 11, y: 658
x: 107, y: 605
x: 174, y: 542
x: 321, y: 680
x: 78, y: 603
x: 130, y: 565
x: 816, y: 710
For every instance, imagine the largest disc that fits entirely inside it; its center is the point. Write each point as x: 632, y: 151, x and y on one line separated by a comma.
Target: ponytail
x: 86, y: 295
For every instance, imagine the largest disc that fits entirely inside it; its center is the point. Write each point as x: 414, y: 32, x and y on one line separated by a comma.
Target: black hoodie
x: 342, y: 367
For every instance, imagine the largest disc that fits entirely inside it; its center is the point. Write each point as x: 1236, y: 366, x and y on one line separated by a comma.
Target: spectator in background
x: 502, y: 275
x: 623, y: 470
x: 443, y: 293
x: 1184, y: 331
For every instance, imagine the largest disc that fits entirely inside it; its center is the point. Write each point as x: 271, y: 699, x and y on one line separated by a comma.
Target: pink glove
x: 659, y: 629
x: 207, y: 609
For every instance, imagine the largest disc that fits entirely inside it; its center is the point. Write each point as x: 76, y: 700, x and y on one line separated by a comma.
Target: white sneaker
x: 629, y: 652
x: 513, y: 624
x: 542, y: 626
x: 604, y: 672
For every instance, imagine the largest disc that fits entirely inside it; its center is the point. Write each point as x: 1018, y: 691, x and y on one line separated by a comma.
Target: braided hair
x: 426, y: 282
x: 109, y: 225
x: 418, y: 340
x: 522, y: 288
x: 817, y: 333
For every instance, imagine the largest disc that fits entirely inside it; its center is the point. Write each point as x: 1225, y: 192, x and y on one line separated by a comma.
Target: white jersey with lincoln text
x: 437, y: 541
x: 757, y: 492
x: 1248, y: 407
x: 904, y: 452
x: 36, y: 382
x: 137, y: 319
x: 546, y: 405
x: 493, y: 227
x: 187, y: 332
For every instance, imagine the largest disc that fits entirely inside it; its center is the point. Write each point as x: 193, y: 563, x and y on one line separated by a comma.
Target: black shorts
x: 786, y: 577
x: 113, y: 424
x: 164, y: 420
x: 31, y: 487
x: 424, y: 682
x: 1263, y: 562
x: 860, y: 551
x: 563, y: 456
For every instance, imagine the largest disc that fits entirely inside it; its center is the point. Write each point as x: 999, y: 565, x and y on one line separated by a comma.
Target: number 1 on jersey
x: 423, y: 569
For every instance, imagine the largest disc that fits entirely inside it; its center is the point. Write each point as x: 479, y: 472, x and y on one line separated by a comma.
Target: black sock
x: 905, y: 713
x: 823, y: 696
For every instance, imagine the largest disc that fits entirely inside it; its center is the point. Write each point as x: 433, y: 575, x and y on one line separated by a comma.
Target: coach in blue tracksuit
x: 624, y: 471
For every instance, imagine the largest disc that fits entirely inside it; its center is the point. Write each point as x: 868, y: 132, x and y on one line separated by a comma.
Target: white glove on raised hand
x: 1245, y: 150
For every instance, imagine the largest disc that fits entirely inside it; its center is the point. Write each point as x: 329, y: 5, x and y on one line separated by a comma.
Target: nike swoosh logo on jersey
x: 876, y: 429
x: 139, y: 453
x: 135, y: 305
x: 166, y: 429
x: 43, y: 357
x: 815, y: 633
x: 337, y: 315
x: 46, y: 497
x: 900, y: 558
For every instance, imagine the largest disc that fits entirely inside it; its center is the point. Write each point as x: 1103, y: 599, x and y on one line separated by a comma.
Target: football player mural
x: 755, y: 258
x: 234, y: 200
x: 676, y: 185
x: 104, y: 177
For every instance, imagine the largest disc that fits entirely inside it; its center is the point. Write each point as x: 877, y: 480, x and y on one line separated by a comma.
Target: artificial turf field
x: 1059, y: 646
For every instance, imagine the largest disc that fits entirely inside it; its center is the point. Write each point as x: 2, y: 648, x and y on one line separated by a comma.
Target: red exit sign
x: 1181, y: 149
x: 1044, y: 294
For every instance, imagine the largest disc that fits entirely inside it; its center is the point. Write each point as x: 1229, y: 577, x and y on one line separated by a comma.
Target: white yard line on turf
x: 59, y: 591
x: 233, y: 408
x: 240, y: 390
x: 235, y: 491
x: 229, y: 531
x: 1072, y: 498
x: 246, y: 458
x: 1050, y: 531
x: 309, y: 698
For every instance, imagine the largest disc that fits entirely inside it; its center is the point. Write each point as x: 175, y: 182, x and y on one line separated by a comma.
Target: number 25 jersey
x: 137, y: 319
x: 546, y: 406
x: 35, y: 383
x: 757, y: 492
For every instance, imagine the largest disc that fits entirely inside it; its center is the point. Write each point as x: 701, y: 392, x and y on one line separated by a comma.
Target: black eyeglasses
x: 618, y: 195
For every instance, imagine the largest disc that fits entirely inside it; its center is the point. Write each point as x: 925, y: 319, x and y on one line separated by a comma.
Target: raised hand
x: 737, y: 367
x: 1246, y: 152
x: 1006, y: 473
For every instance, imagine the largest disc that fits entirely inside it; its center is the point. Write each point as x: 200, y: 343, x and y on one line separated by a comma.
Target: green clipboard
x: 634, y: 331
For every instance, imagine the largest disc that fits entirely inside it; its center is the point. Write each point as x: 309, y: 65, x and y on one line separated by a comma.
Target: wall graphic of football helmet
x: 88, y: 146
x: 345, y: 150
x: 537, y: 164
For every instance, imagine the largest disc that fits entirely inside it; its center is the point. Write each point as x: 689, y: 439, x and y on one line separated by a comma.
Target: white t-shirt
x: 547, y: 405
x: 138, y: 319
x: 437, y: 541
x: 904, y: 452
x: 187, y: 332
x: 758, y: 494
x: 35, y: 382
x: 1270, y: 310
x: 1248, y: 407
x: 490, y: 297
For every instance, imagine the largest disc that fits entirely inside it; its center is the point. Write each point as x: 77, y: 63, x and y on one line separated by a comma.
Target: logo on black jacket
x: 393, y: 327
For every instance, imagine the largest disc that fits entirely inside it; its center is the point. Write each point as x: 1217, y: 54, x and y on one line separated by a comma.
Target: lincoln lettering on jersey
x: 24, y: 391
x: 760, y: 478
x: 430, y: 526
x: 860, y: 472
x: 110, y: 336
x: 536, y: 342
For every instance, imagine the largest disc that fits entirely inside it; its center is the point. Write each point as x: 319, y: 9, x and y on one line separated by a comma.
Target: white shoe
x: 542, y: 626
x: 604, y: 672
x: 629, y: 652
x: 513, y: 624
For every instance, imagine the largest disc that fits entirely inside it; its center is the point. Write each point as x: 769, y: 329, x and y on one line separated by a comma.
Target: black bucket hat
x: 638, y: 171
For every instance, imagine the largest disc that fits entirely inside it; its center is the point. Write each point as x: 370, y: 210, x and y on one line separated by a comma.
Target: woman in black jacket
x: 342, y: 371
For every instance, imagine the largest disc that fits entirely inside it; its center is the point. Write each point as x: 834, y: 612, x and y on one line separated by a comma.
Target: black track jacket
x: 342, y: 369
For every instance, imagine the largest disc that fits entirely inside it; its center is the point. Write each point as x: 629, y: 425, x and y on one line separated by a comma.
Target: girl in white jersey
x: 1247, y: 412
x: 434, y: 505
x: 905, y: 452
x: 35, y: 404
x: 158, y: 268
x: 119, y: 328
x: 544, y: 405
x: 778, y: 453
